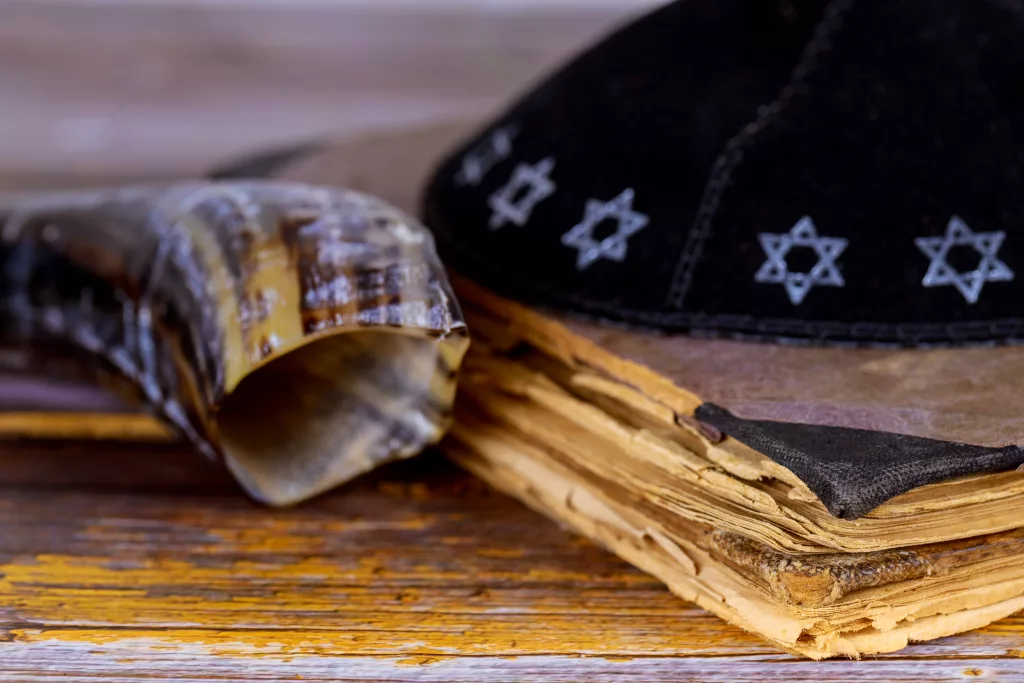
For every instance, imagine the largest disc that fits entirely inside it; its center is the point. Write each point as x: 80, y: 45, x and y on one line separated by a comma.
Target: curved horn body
x: 303, y: 335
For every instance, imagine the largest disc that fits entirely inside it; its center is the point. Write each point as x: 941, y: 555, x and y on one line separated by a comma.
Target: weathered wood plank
x: 71, y: 425
x: 185, y: 665
x: 143, y: 562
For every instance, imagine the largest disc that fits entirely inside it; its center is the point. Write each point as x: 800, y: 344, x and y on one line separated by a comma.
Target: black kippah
x: 838, y: 172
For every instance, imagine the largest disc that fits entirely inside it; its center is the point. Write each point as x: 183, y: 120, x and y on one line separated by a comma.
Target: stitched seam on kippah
x: 732, y: 156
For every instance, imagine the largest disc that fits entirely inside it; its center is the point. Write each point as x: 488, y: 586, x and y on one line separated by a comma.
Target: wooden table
x: 145, y: 563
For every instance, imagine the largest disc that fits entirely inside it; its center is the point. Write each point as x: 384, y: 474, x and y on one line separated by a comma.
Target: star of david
x: 970, y: 283
x: 485, y: 156
x: 534, y: 179
x: 613, y: 247
x: 803, y: 234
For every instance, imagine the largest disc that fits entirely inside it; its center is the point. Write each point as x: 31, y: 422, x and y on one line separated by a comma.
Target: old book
x: 544, y: 417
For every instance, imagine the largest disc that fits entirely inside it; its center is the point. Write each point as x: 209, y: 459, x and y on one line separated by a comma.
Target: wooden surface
x: 142, y: 563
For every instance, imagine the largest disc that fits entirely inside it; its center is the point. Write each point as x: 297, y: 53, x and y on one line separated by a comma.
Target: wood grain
x: 141, y: 562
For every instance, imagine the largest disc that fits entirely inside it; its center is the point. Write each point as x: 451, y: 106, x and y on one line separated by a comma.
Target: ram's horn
x: 302, y: 334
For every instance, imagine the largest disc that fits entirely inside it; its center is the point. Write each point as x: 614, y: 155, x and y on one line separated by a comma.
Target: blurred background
x: 96, y: 91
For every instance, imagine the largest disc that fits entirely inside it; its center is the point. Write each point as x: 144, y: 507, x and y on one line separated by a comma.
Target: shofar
x: 303, y: 335
x: 559, y: 414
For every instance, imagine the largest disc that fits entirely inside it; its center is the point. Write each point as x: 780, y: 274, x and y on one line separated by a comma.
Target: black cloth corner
x: 853, y: 471
x: 844, y: 172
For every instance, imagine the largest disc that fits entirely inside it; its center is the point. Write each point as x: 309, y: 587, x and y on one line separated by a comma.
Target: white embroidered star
x: 483, y: 157
x: 506, y: 208
x: 803, y: 234
x: 970, y: 283
x: 613, y: 247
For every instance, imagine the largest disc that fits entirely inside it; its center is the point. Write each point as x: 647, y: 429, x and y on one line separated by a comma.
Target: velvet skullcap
x: 836, y: 172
